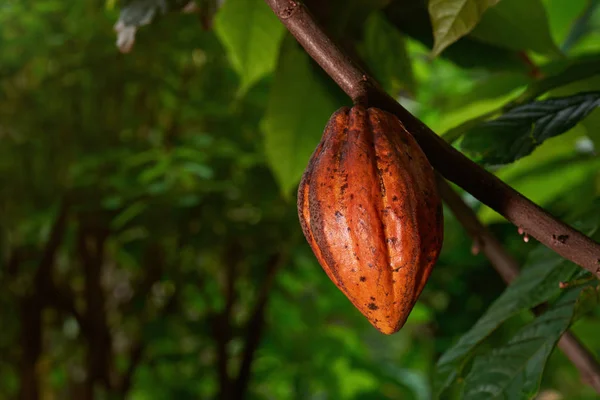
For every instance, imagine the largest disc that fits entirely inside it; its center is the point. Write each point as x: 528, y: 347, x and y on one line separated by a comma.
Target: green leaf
x: 453, y: 19
x: 252, y: 35
x: 384, y: 50
x: 576, y: 70
x: 517, y: 25
x: 523, y: 358
x: 558, y: 75
x: 297, y: 112
x: 536, y: 284
x: 493, y: 86
x: 518, y: 132
x: 127, y: 215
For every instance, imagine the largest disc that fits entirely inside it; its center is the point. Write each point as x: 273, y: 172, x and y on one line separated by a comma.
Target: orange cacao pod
x: 369, y: 208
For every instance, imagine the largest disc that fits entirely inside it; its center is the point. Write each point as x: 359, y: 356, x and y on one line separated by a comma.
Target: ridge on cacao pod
x: 369, y: 208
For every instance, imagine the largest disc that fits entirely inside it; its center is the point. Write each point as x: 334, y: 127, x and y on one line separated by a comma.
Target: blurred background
x: 150, y: 245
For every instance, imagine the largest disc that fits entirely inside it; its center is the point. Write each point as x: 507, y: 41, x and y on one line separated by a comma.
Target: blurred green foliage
x: 150, y: 245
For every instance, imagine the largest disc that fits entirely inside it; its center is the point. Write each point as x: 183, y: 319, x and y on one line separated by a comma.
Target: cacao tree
x: 151, y: 155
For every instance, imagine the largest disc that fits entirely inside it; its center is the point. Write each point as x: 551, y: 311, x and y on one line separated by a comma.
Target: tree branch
x: 153, y: 261
x: 453, y: 165
x: 221, y: 326
x: 508, y: 268
x: 90, y: 245
x: 32, y: 305
x: 255, y: 328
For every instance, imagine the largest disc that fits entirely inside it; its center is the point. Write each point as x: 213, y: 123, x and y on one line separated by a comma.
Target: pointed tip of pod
x: 388, y: 327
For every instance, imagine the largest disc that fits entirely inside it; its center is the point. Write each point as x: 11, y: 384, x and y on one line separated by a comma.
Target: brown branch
x: 31, y: 347
x: 135, y: 357
x: 453, y: 165
x: 153, y: 263
x: 32, y: 305
x: 90, y: 245
x: 582, y: 359
x: 221, y: 326
x: 508, y: 268
x: 255, y: 328
x: 44, y: 272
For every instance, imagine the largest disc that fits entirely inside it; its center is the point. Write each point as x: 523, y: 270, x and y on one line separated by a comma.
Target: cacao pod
x: 369, y: 208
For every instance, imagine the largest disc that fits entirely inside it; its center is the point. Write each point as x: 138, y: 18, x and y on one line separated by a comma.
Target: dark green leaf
x: 384, y: 50
x: 538, y: 282
x: 517, y: 25
x: 518, y: 132
x: 535, y: 285
x: 523, y: 358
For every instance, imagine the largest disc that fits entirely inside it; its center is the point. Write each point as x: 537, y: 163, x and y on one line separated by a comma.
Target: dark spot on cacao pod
x: 395, y: 198
x: 373, y: 307
x: 372, y: 298
x: 338, y: 214
x: 363, y: 278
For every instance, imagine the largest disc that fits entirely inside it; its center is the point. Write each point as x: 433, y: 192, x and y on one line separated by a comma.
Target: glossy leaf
x: 536, y: 284
x: 523, y: 358
x: 518, y: 132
